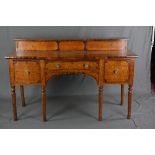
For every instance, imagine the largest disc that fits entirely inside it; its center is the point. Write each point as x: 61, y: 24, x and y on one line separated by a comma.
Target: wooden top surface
x: 69, y: 55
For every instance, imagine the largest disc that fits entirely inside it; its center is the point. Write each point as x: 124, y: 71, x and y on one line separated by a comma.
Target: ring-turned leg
x: 13, y: 94
x: 44, y: 103
x: 100, y: 99
x: 129, y: 101
x: 122, y: 94
x: 22, y: 95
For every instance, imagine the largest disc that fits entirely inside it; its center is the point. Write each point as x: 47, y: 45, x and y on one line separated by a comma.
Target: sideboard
x: 36, y: 61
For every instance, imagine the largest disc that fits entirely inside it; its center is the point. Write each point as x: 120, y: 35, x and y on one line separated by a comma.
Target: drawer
x: 86, y: 65
x: 27, y: 72
x: 116, y: 71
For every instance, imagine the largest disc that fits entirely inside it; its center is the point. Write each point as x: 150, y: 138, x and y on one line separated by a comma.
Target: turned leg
x: 22, y: 95
x: 100, y: 99
x: 122, y: 94
x: 129, y: 101
x: 44, y: 103
x: 13, y: 94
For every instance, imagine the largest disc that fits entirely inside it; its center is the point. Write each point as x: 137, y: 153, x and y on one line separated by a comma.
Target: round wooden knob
x: 86, y: 66
x: 27, y: 72
x: 57, y: 65
x: 116, y: 71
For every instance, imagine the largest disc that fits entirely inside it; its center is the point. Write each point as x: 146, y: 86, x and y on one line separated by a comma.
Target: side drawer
x: 116, y: 71
x: 27, y: 72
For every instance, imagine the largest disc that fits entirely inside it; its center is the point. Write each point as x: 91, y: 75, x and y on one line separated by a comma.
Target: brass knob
x: 116, y: 71
x: 57, y: 65
x: 86, y: 66
x: 27, y: 72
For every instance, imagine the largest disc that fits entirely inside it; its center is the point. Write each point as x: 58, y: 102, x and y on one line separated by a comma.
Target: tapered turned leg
x: 122, y: 94
x: 129, y: 101
x: 22, y: 95
x: 44, y: 103
x: 13, y: 94
x: 100, y: 99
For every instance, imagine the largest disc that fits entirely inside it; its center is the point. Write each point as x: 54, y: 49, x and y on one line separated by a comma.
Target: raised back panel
x: 106, y: 45
x: 36, y: 45
x: 71, y: 45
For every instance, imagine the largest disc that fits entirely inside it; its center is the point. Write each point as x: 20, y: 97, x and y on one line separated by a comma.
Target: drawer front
x: 86, y: 65
x: 27, y: 72
x: 116, y: 71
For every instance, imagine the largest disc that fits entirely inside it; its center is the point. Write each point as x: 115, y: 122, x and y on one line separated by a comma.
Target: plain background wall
x: 139, y: 42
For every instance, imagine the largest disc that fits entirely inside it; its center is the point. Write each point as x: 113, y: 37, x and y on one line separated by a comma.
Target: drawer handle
x: 57, y: 65
x: 27, y: 72
x: 116, y: 71
x: 86, y: 66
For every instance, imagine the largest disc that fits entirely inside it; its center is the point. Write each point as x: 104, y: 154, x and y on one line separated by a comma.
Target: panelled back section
x: 107, y: 45
x: 71, y: 45
x: 36, y: 45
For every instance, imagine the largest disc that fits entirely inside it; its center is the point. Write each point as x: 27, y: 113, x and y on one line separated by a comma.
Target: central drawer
x: 81, y: 65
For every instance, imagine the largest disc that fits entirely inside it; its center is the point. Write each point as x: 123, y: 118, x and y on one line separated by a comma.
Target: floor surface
x: 79, y: 112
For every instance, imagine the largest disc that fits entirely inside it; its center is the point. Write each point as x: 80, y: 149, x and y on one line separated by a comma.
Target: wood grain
x: 44, y: 103
x: 13, y: 94
x: 36, y: 61
x: 58, y: 65
x: 107, y: 45
x: 29, y: 45
x: 70, y: 55
x: 130, y: 87
x: 130, y: 91
x: 71, y: 45
x: 116, y: 71
x: 27, y: 72
x: 122, y: 94
x: 22, y: 95
x: 100, y: 98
